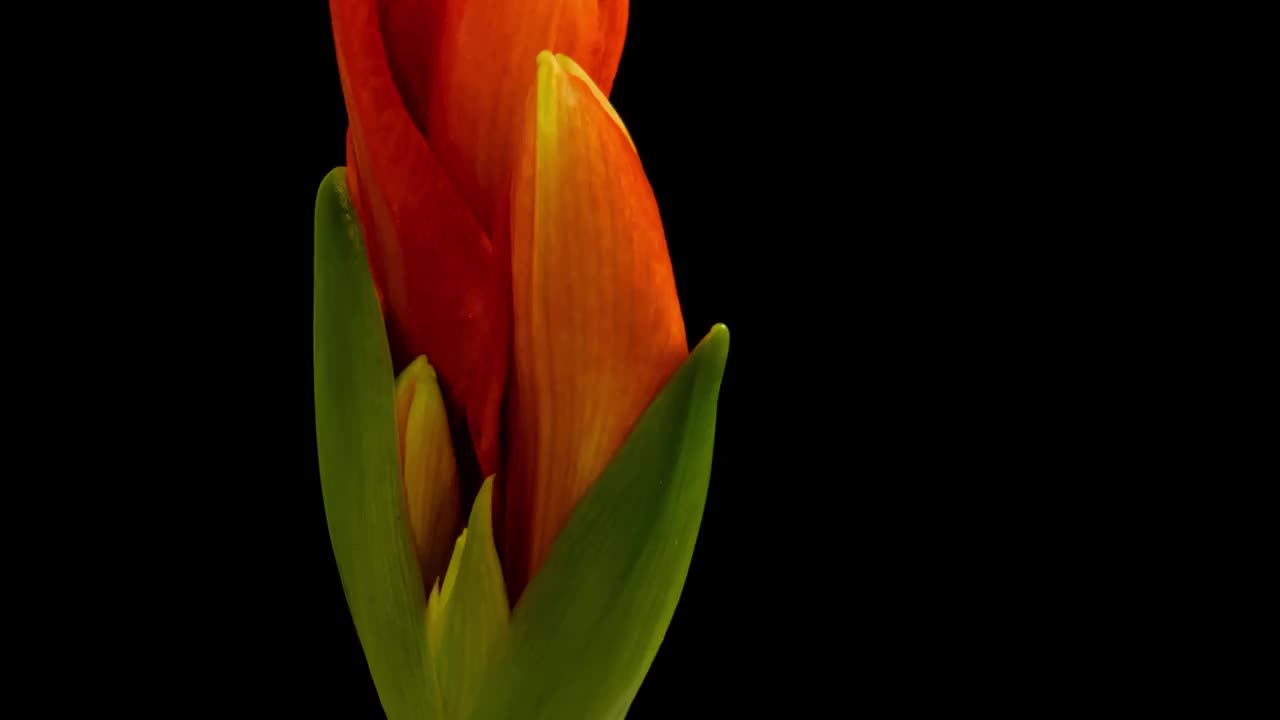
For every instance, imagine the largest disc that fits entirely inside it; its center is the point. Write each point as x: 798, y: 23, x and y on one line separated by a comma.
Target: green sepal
x: 585, y: 631
x: 467, y: 617
x: 359, y: 463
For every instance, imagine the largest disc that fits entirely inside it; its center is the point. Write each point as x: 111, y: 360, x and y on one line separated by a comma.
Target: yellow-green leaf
x: 585, y: 631
x: 468, y: 617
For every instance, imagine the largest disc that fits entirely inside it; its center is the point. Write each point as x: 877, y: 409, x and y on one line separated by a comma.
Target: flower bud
x: 428, y: 469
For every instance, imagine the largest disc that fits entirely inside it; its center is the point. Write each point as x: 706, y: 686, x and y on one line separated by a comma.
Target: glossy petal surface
x: 597, y: 322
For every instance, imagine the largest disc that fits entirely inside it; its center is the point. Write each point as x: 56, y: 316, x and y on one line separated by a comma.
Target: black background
x: 850, y: 194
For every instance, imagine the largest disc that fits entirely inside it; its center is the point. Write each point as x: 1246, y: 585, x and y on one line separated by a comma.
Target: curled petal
x: 444, y: 288
x: 484, y: 72
x: 597, y: 322
x: 410, y: 32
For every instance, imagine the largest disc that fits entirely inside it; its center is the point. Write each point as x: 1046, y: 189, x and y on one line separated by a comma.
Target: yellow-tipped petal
x: 572, y: 68
x: 597, y: 323
x: 428, y: 468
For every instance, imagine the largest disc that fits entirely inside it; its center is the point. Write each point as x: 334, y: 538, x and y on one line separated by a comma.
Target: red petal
x: 485, y: 69
x: 447, y: 294
x: 411, y: 33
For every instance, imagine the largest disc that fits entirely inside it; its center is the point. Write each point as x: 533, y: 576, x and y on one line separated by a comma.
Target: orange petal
x: 444, y: 288
x: 613, y: 35
x: 485, y: 70
x: 597, y: 323
x: 428, y: 468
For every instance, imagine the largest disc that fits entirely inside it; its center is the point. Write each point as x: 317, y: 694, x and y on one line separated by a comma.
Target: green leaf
x: 359, y: 462
x: 468, y: 616
x: 585, y: 631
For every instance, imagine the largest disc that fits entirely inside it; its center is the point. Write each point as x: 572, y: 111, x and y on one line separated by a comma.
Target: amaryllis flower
x: 518, y: 279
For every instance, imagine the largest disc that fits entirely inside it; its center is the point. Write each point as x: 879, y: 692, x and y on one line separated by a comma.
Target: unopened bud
x: 428, y: 468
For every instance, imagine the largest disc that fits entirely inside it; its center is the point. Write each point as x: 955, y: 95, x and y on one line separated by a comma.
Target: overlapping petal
x: 483, y: 73
x: 445, y: 290
x: 597, y: 328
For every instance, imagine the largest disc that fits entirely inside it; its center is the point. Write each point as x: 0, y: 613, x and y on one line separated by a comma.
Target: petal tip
x: 547, y: 59
x: 416, y: 372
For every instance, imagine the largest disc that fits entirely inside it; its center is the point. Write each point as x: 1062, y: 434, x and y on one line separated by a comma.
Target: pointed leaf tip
x: 358, y: 457
x: 469, y: 618
x: 586, y: 630
x: 715, y: 346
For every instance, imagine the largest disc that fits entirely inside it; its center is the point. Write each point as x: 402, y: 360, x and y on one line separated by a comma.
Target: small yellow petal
x: 429, y: 470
